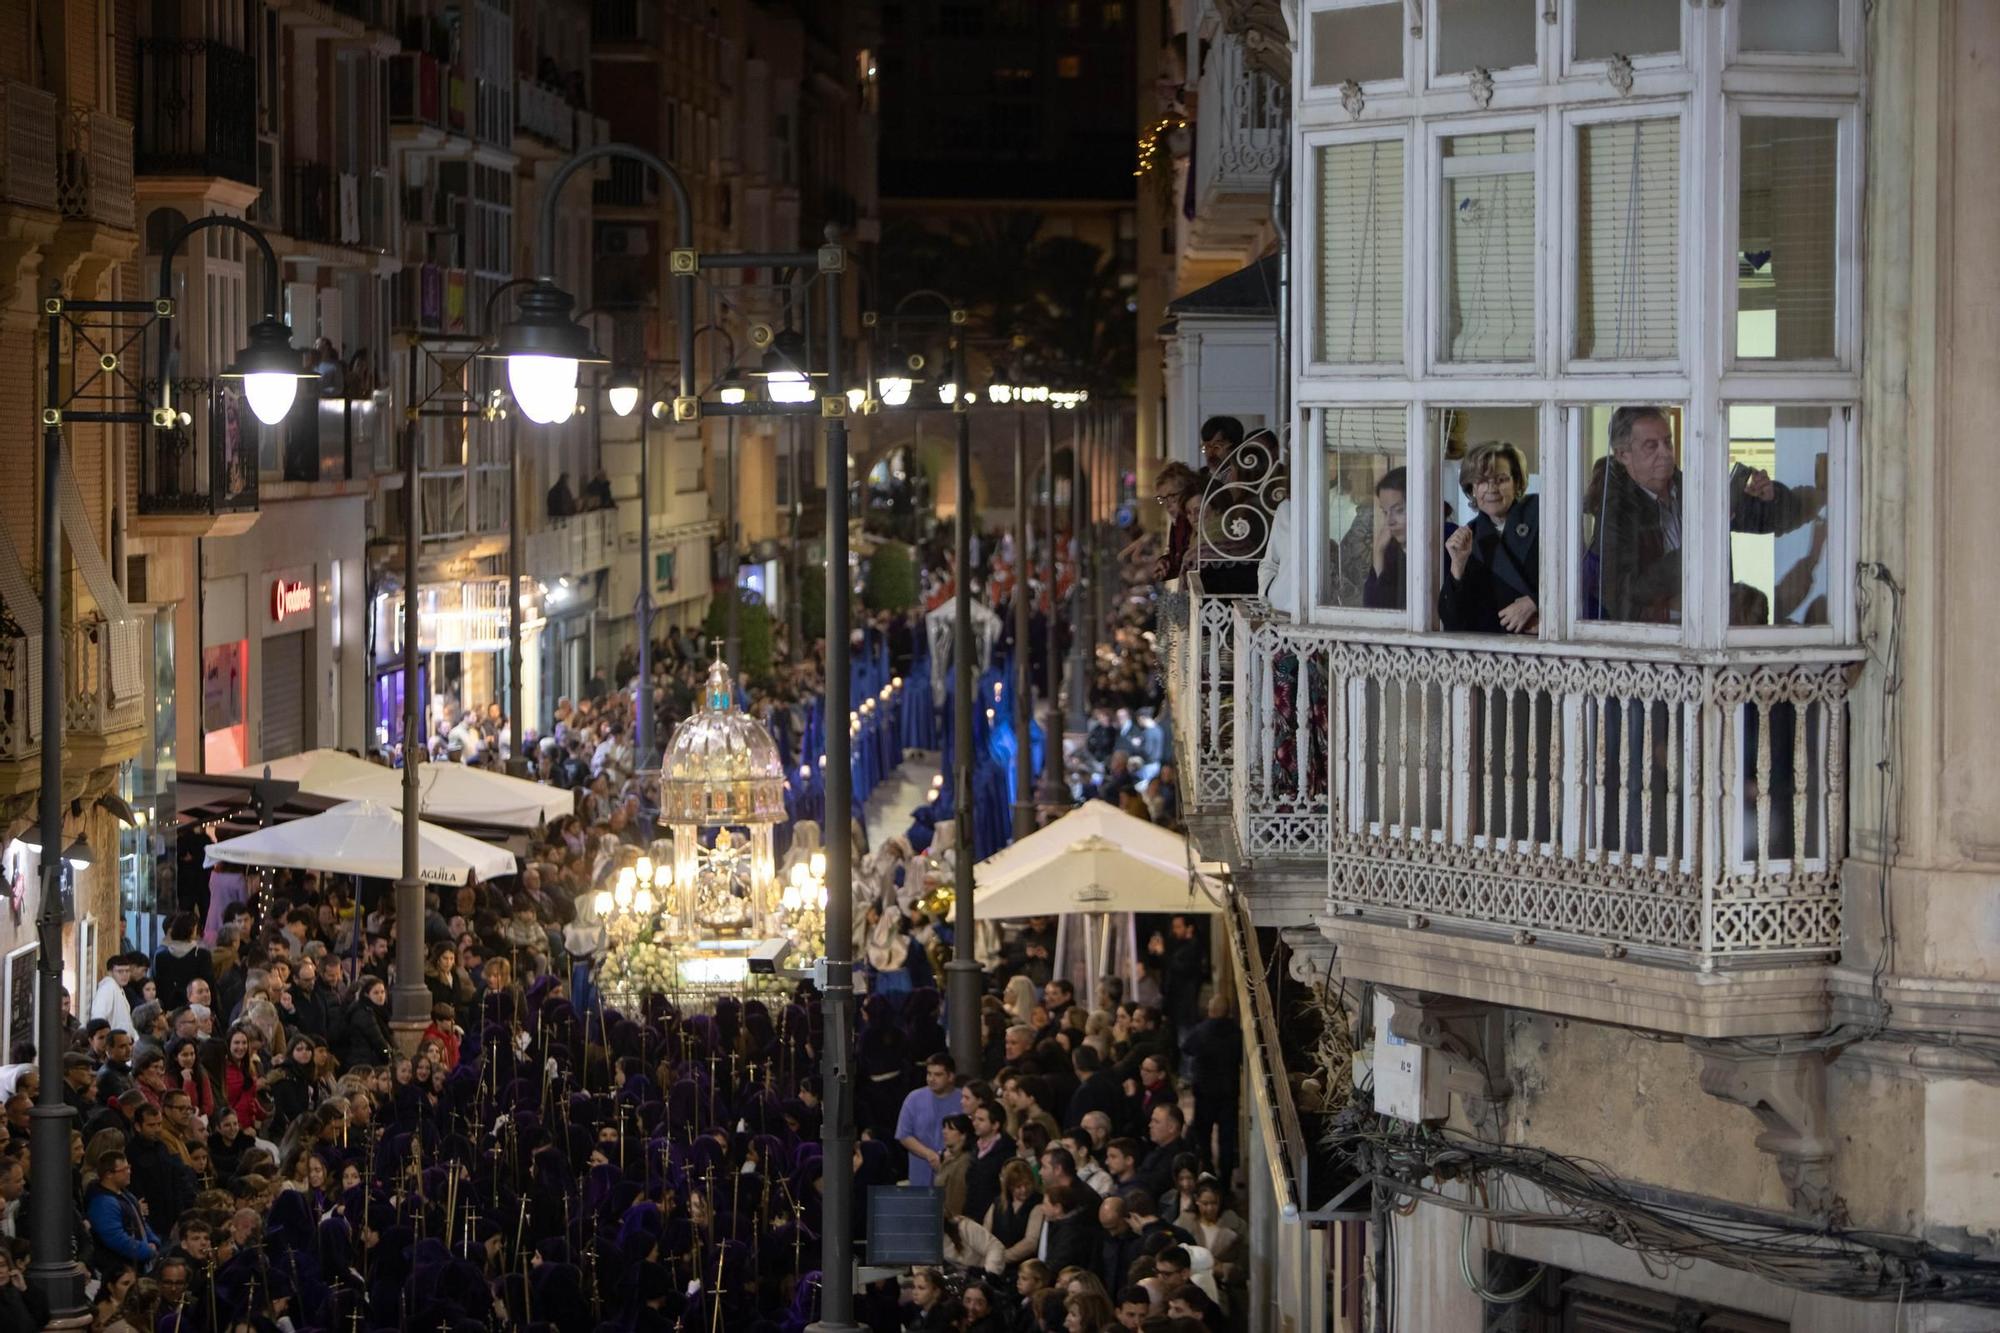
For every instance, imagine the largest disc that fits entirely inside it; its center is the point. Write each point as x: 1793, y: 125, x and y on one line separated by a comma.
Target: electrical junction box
x: 1408, y: 1085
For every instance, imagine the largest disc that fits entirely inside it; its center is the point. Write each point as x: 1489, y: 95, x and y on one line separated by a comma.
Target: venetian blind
x: 1361, y: 252
x: 1628, y: 243
x: 1489, y: 278
x: 1787, y: 223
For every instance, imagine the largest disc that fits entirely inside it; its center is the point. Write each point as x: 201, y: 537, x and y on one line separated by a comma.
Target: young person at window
x: 1492, y: 564
x: 1383, y: 589
x: 1632, y: 509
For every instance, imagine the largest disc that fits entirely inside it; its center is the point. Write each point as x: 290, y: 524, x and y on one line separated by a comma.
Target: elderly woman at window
x: 1491, y: 578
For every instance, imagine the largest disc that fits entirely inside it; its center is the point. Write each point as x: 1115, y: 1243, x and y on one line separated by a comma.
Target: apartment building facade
x: 67, y: 217
x: 1616, y: 959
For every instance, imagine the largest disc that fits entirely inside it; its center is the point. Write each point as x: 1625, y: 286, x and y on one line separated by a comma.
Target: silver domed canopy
x: 721, y: 767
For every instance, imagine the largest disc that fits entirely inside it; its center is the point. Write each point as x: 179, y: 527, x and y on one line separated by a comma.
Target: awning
x: 1094, y: 859
x: 364, y: 838
x: 450, y: 792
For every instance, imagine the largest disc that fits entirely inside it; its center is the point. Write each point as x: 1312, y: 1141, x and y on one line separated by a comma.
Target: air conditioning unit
x: 617, y: 239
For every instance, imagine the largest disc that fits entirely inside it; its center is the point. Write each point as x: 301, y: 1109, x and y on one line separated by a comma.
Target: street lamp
x: 543, y: 347
x: 546, y: 330
x: 622, y: 391
x: 963, y: 977
x: 270, y: 370
x: 783, y: 370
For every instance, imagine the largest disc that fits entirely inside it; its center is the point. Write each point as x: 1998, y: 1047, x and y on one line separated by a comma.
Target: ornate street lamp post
x: 549, y: 347
x: 269, y: 369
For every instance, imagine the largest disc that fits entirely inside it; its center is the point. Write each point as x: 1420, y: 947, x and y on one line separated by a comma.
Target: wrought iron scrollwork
x: 1242, y: 496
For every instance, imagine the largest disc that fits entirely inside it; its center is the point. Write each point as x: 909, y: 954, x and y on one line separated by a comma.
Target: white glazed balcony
x: 1686, y: 814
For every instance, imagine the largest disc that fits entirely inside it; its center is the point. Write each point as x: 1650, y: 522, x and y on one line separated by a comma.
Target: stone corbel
x: 82, y: 254
x: 23, y: 233
x: 1469, y: 1037
x: 1787, y: 1094
x: 1311, y: 957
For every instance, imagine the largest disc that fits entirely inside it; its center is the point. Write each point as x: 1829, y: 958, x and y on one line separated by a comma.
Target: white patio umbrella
x: 364, y: 838
x: 444, y: 791
x: 1093, y: 862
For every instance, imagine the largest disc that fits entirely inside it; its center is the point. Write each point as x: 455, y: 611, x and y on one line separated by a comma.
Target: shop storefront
x: 462, y: 636
x: 280, y: 607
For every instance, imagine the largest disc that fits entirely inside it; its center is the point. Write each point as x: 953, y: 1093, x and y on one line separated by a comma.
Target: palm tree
x: 1080, y: 328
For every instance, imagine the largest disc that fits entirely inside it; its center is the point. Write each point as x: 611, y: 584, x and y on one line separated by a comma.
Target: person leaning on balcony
x: 562, y: 501
x: 1173, y: 489
x: 1219, y: 438
x: 1632, y: 567
x: 1492, y: 564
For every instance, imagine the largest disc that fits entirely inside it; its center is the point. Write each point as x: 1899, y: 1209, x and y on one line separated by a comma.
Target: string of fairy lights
x: 1152, y: 142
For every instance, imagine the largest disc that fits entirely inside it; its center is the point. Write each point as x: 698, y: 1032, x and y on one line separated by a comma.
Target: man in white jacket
x: 110, y: 1002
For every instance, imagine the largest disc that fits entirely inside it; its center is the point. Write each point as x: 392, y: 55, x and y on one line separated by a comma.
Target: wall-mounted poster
x: 17, y: 994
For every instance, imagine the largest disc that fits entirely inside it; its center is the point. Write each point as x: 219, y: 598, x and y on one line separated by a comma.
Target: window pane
x: 1361, y: 252
x: 1628, y: 28
x: 1786, y: 225
x: 1367, y: 485
x: 1489, y: 479
x: 1628, y: 216
x: 1486, y: 34
x: 1364, y: 44
x: 1808, y: 27
x: 1489, y: 277
x: 1778, y: 516
x: 1631, y: 520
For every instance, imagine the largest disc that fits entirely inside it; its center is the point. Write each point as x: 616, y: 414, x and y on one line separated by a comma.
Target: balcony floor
x: 1745, y: 1002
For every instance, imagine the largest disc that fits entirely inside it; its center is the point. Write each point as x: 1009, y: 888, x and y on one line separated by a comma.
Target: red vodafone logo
x: 290, y: 598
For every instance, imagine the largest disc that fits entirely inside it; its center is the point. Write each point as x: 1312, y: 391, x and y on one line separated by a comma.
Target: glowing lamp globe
x: 623, y: 395
x: 545, y: 387
x: 270, y: 370
x: 789, y: 386
x: 543, y: 347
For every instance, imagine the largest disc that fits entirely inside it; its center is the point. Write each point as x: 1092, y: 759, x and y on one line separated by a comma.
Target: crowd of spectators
x: 1086, y: 1175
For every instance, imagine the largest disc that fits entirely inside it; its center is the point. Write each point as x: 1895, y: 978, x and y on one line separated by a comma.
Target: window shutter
x: 1490, y: 248
x: 1628, y: 213
x: 1361, y: 252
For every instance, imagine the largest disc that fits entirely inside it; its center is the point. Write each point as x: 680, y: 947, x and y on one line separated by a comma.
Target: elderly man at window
x: 1632, y: 508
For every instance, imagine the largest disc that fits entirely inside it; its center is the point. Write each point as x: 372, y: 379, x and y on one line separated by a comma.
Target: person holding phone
x: 1492, y: 564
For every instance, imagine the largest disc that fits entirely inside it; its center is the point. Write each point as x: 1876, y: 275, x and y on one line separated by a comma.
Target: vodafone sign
x: 290, y: 599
